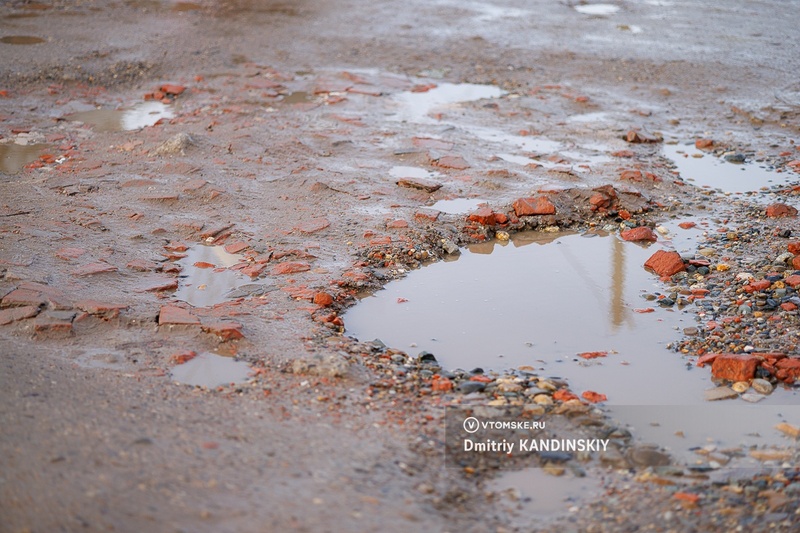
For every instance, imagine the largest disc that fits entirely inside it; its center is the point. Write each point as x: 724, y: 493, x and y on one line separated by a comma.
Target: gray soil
x: 96, y: 436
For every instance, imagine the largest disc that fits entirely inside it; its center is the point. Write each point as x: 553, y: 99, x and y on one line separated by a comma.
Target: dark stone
x: 467, y: 387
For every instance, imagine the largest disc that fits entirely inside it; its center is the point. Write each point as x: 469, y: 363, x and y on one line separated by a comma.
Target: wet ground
x: 210, y: 210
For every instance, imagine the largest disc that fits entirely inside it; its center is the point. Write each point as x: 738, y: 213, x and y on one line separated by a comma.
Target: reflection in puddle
x: 533, y: 493
x: 412, y: 172
x: 203, y: 286
x: 599, y: 10
x: 458, y: 205
x: 186, y: 6
x: 501, y: 306
x: 298, y: 97
x: 415, y: 106
x: 537, y: 145
x: 15, y: 156
x: 139, y: 116
x: 210, y: 370
x: 706, y: 170
x: 21, y: 39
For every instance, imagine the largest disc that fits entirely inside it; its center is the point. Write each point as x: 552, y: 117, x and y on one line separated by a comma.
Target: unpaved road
x: 94, y: 434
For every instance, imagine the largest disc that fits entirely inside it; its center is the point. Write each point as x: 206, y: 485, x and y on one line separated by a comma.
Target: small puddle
x: 533, y: 494
x: 457, y: 206
x: 298, y: 97
x: 21, y: 39
x: 415, y: 106
x: 598, y: 10
x: 210, y: 370
x: 540, y: 300
x: 182, y: 7
x: 412, y: 172
x: 537, y: 145
x: 139, y: 116
x: 705, y: 170
x: 204, y: 285
x: 13, y: 157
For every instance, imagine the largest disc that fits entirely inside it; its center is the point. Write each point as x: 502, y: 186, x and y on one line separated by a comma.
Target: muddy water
x: 705, y: 170
x: 540, y: 300
x: 597, y: 10
x: 412, y: 172
x: 15, y: 156
x: 21, y: 39
x: 138, y: 116
x: 458, y: 206
x: 416, y: 106
x: 210, y: 370
x: 203, y: 286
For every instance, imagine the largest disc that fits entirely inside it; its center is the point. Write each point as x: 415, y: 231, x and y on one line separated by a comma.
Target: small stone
x: 175, y: 145
x: 540, y: 205
x: 484, y: 216
x: 740, y: 386
x: 323, y: 298
x: 788, y: 429
x: 720, y: 393
x: 752, y: 398
x: 92, y: 269
x: 703, y: 144
x: 532, y: 409
x: 665, y: 263
x: 762, y: 386
x: 418, y: 183
x: 543, y: 399
x: 468, y: 387
x: 502, y: 236
x: 333, y: 365
x: 734, y: 367
x: 690, y: 331
x: 290, y: 267
x: 178, y: 316
x: 224, y: 330
x: 642, y: 233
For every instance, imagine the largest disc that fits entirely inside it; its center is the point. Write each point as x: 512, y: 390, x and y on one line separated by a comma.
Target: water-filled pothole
x: 539, y: 301
x: 704, y: 169
x: 21, y: 39
x: 13, y: 157
x: 412, y: 172
x: 597, y: 10
x: 206, y: 279
x: 415, y: 106
x: 210, y: 370
x: 133, y: 118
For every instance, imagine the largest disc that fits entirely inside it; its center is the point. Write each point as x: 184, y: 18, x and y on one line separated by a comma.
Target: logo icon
x: 471, y: 424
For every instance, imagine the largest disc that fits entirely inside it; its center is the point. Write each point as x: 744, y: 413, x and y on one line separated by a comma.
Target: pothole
x: 133, y: 118
x: 21, y: 39
x: 732, y: 173
x: 13, y: 157
x: 210, y: 370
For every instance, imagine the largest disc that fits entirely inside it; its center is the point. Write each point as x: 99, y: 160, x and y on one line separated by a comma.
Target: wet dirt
x: 114, y: 444
x: 21, y: 39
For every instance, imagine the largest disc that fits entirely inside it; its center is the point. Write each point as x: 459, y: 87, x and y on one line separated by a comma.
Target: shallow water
x: 204, y: 287
x: 416, y: 106
x: 412, y: 172
x: 210, y: 370
x: 13, y: 157
x: 533, y: 492
x: 138, y: 116
x: 21, y: 39
x: 703, y: 169
x: 458, y: 206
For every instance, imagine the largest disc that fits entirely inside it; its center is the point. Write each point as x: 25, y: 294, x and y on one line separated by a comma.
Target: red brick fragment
x: 592, y: 355
x: 177, y: 316
x: 594, y: 397
x: 182, y: 357
x: 23, y: 297
x: 641, y: 233
x: 224, y: 330
x: 441, y: 384
x: 323, y: 298
x: 313, y: 225
x: 760, y: 285
x: 290, y: 267
x: 92, y: 269
x: 104, y: 309
x: 7, y: 316
x: 483, y: 215
x: 397, y: 224
x: 142, y: 265
x: 734, y: 367
x: 176, y: 246
x: 172, y: 89
x: 539, y: 205
x: 687, y: 225
x: 563, y: 395
x: 781, y: 210
x: 665, y: 263
x: 702, y: 144
x: 69, y: 253
x: 455, y: 162
x: 706, y: 359
x: 236, y: 247
x: 793, y: 281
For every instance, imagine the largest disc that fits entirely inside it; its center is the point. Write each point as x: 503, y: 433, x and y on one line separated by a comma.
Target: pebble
x: 468, y: 387
x: 740, y: 386
x: 752, y: 398
x: 720, y: 393
x: 762, y: 386
x: 690, y: 332
x: 542, y: 399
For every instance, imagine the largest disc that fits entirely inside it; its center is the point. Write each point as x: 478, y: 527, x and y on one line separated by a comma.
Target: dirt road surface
x: 280, y: 130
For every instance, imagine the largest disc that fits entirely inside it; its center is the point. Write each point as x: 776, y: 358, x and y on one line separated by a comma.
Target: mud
x: 299, y: 117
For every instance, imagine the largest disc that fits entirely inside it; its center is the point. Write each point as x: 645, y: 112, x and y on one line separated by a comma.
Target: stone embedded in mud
x: 175, y: 145
x: 93, y: 268
x: 176, y: 316
x: 720, y: 393
x: 172, y: 89
x: 69, y: 253
x: 419, y: 183
x: 631, y: 175
x: 642, y: 233
x: 333, y: 365
x: 634, y: 136
x: 534, y: 206
x: 23, y: 297
x: 224, y: 330
x: 665, y: 263
x: 781, y: 210
x: 142, y: 265
x: 734, y: 367
x: 236, y: 247
x: 98, y: 308
x: 456, y: 162
x: 290, y: 267
x: 484, y: 216
x: 687, y: 225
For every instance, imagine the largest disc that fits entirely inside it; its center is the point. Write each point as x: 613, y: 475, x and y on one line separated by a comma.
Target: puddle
x: 533, y: 144
x: 139, y: 116
x: 706, y: 170
x: 13, y: 157
x: 210, y: 370
x: 598, y: 10
x: 534, y: 494
x: 458, y: 205
x: 298, y: 97
x: 21, y: 39
x: 204, y: 287
x: 181, y: 7
x: 540, y: 300
x: 415, y: 107
x: 412, y: 172
x: 586, y: 118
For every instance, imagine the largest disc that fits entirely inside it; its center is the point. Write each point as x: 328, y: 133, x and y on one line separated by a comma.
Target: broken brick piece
x: 176, y: 316
x: 734, y: 367
x: 534, y: 206
x: 224, y: 330
x: 290, y: 267
x: 665, y: 263
x: 641, y: 233
x: 7, y: 316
